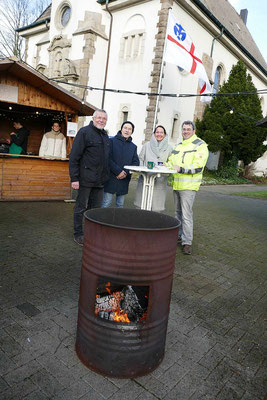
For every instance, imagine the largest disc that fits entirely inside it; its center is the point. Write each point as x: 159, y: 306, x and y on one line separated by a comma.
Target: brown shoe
x: 187, y: 249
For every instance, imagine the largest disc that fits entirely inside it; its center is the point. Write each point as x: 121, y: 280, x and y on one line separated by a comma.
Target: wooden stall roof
x: 25, y: 73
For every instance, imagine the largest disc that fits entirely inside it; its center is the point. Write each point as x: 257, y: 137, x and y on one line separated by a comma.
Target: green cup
x: 150, y: 164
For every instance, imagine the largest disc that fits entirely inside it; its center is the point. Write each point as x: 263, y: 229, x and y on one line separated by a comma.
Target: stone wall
x: 156, y: 65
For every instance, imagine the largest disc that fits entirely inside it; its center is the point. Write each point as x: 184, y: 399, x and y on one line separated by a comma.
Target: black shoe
x: 179, y: 240
x: 78, y: 240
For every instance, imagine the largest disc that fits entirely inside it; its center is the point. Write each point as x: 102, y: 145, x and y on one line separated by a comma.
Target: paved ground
x: 215, y: 341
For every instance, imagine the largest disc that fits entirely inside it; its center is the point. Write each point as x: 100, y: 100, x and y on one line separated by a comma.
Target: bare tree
x: 15, y: 14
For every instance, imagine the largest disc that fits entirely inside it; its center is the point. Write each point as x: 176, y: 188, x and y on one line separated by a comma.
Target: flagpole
x: 161, y: 72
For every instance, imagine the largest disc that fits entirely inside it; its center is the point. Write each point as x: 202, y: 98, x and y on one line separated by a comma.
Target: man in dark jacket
x: 20, y: 137
x: 122, y: 152
x: 88, y: 168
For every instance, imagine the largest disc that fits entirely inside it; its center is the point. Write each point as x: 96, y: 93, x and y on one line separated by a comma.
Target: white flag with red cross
x: 180, y: 50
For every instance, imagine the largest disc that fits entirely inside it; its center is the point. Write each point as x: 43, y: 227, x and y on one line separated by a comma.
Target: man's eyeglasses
x: 187, y: 129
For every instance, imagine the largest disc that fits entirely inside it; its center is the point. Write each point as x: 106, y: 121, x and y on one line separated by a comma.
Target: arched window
x: 217, y: 79
x: 175, y: 127
x: 132, y: 41
x: 63, y: 15
x: 125, y: 113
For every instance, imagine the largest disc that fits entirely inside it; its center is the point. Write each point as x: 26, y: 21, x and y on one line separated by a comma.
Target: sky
x: 256, y: 22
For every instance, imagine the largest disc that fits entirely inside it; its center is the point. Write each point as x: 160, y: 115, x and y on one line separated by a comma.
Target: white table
x: 149, y: 176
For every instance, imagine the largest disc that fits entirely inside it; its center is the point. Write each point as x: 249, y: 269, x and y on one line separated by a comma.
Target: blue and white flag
x: 180, y: 50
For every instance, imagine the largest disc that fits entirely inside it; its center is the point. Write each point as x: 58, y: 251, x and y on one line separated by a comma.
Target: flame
x: 119, y: 316
x: 111, y: 304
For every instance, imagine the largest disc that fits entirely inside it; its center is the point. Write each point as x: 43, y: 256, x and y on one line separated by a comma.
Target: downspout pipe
x: 213, y: 41
x: 107, y: 61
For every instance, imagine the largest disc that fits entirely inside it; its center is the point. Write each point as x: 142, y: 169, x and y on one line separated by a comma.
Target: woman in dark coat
x: 122, y: 152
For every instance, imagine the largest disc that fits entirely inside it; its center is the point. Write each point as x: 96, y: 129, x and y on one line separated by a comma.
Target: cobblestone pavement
x: 215, y: 340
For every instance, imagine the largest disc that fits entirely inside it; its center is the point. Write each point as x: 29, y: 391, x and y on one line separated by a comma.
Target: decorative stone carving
x: 60, y: 64
x: 59, y: 41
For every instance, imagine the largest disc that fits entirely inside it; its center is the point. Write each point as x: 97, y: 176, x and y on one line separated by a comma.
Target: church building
x: 119, y: 44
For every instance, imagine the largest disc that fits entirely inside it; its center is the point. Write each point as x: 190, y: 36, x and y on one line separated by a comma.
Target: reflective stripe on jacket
x: 191, y: 156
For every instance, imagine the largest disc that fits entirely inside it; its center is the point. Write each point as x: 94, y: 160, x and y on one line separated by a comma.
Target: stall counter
x: 33, y: 178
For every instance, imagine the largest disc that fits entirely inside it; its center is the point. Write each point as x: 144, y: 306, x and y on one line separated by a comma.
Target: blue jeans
x: 184, y: 200
x: 107, y: 200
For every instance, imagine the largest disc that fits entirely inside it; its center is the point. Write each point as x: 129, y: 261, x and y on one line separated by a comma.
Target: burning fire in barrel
x: 120, y: 304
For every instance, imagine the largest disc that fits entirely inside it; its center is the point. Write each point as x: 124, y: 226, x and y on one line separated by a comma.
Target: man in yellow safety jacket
x: 189, y: 159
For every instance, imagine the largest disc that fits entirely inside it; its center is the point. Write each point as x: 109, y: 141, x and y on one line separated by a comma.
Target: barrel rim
x: 132, y: 228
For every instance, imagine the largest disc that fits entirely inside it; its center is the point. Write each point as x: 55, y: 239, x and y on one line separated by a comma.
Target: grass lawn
x: 258, y: 195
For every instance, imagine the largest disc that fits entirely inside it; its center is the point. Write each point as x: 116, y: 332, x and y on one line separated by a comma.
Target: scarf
x: 160, y: 149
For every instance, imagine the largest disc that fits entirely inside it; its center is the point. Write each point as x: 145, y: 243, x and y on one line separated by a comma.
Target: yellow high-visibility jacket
x: 191, y: 156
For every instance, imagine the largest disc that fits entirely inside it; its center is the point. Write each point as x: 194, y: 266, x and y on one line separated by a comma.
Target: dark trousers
x: 88, y: 197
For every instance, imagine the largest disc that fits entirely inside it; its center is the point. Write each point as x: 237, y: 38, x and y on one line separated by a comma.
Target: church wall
x: 129, y: 69
x: 32, y: 49
x: 97, y: 73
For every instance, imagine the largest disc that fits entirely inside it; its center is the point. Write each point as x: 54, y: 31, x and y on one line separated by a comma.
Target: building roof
x: 42, y: 19
x: 46, y: 14
x: 39, y: 81
x: 227, y: 16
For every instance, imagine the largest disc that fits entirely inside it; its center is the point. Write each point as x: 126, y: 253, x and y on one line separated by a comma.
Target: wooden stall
x: 30, y: 96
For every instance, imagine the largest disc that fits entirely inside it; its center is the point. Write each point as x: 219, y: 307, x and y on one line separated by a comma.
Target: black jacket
x: 122, y: 152
x: 21, y: 139
x: 88, y: 162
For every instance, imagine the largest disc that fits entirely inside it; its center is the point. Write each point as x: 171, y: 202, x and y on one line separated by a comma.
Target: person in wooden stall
x: 18, y: 140
x: 53, y: 144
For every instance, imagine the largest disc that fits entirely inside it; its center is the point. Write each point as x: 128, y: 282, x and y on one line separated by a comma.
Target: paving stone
x: 18, y: 391
x: 28, y: 309
x: 9, y: 345
x: 211, y: 359
x: 185, y: 388
x: 3, y: 385
x: 23, y: 358
x: 92, y: 395
x: 6, y: 363
x: 131, y: 391
x: 220, y: 374
x: 67, y: 356
x: 21, y: 373
x: 173, y: 375
x: 74, y: 392
x: 172, y: 355
x: 230, y: 392
x: 153, y: 385
x: 100, y: 384
x: 205, y: 392
x: 249, y: 396
x: 37, y: 395
x: 146, y: 396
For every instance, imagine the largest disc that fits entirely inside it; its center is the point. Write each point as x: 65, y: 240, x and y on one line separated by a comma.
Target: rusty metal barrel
x: 134, y: 249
